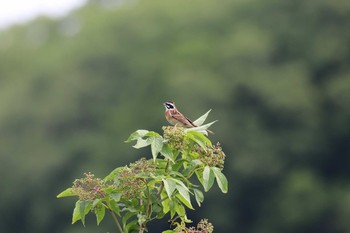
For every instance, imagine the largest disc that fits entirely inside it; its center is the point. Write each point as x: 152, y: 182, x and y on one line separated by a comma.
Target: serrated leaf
x: 201, y: 119
x: 169, y: 186
x: 100, y: 213
x: 66, y: 193
x: 198, y: 194
x: 220, y: 179
x: 208, y: 178
x: 137, y: 134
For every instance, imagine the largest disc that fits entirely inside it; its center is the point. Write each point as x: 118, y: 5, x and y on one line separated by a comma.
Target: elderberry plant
x: 151, y: 189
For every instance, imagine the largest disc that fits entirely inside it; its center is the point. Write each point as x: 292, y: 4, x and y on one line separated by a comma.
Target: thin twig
x: 116, y: 221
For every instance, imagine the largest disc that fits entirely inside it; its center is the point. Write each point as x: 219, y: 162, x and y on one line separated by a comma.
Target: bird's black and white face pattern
x: 169, y: 105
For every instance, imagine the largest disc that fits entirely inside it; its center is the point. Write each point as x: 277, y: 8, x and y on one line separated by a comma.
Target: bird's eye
x: 169, y: 106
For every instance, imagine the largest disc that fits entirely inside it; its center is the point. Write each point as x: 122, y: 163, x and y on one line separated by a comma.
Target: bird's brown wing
x: 184, y: 121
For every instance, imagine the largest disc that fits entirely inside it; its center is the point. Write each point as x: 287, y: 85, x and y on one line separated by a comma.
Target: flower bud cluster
x: 202, y: 227
x: 212, y: 156
x: 131, y: 182
x: 175, y: 137
x: 89, y: 187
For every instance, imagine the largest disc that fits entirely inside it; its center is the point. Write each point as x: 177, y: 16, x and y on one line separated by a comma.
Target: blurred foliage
x: 276, y: 74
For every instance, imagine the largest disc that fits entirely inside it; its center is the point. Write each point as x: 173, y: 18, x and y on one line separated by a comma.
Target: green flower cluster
x: 89, y: 187
x: 202, y: 227
x: 175, y: 137
x: 130, y: 179
x: 212, y: 156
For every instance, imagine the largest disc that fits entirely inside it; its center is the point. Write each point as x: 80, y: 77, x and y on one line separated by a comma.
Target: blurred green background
x: 276, y: 74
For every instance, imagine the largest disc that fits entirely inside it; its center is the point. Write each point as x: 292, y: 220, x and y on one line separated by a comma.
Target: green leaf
x: 169, y: 186
x: 168, y: 231
x: 66, y: 193
x: 180, y: 209
x: 95, y: 203
x: 167, y: 152
x: 81, y: 209
x: 112, y: 176
x: 156, y: 145
x: 114, y: 207
x: 201, y: 119
x: 132, y: 226
x: 84, y: 209
x: 199, y: 174
x: 191, y: 167
x: 100, y: 213
x: 199, y: 138
x: 116, y: 196
x: 220, y: 179
x: 141, y: 143
x: 137, y: 134
x: 208, y: 178
x: 127, y: 216
x: 76, y: 213
x: 201, y: 129
x: 177, y: 165
x: 166, y: 205
x: 184, y: 197
x: 198, y: 194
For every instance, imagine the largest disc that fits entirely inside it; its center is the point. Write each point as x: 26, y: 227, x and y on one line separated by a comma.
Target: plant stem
x: 116, y: 221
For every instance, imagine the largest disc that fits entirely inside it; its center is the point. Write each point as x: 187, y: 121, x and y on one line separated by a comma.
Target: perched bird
x: 175, y: 117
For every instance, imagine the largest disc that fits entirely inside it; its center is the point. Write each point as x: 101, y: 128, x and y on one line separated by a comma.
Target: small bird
x: 175, y: 117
